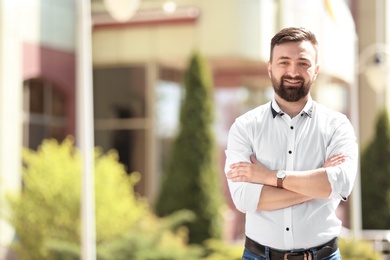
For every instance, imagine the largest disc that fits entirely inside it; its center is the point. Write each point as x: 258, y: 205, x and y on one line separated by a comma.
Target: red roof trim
x: 183, y: 15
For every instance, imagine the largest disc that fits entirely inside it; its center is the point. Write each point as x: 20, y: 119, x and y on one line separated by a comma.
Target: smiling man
x: 291, y: 161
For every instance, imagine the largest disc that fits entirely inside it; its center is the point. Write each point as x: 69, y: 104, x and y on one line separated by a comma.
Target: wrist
x: 280, y: 176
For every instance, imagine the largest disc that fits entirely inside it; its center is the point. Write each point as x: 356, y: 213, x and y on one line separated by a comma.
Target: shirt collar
x: 307, y: 109
x: 275, y: 109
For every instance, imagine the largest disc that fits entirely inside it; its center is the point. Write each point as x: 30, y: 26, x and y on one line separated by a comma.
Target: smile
x: 293, y: 82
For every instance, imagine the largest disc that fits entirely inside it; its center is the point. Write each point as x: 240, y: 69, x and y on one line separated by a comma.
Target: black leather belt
x: 321, y: 251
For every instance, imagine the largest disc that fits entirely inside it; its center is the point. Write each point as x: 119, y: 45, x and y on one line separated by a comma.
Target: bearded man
x: 291, y: 161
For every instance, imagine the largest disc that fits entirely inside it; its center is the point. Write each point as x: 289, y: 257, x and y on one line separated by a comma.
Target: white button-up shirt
x: 293, y: 144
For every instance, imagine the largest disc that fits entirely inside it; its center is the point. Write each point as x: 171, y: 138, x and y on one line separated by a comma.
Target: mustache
x: 293, y: 78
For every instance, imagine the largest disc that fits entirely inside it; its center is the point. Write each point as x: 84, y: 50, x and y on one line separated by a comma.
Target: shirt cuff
x: 337, y: 183
x: 246, y: 196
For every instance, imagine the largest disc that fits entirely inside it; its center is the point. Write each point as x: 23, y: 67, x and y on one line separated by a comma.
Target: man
x: 290, y: 162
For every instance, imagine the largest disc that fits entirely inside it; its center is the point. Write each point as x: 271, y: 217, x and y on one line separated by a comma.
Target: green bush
x: 46, y: 214
x: 352, y: 249
x: 375, y: 172
x: 191, y: 180
x: 219, y: 250
x: 153, y: 239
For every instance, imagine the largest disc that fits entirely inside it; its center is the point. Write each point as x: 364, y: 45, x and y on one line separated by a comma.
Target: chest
x: 298, y: 144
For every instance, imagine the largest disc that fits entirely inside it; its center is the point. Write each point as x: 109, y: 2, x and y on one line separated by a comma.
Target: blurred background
x: 140, y: 50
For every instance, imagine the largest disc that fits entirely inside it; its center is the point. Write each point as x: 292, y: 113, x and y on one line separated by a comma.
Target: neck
x: 291, y: 108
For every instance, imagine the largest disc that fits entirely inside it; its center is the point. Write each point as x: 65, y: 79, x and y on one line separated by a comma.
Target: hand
x: 334, y: 160
x: 248, y: 172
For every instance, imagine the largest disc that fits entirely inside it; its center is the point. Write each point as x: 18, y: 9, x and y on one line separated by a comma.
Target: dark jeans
x: 248, y: 255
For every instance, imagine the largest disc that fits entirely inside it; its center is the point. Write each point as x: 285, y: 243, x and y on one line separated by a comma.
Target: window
x: 44, y: 113
x: 120, y: 116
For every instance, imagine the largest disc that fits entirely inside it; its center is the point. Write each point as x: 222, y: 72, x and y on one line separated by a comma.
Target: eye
x: 283, y: 62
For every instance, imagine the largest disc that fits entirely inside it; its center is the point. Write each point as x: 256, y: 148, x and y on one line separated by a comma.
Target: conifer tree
x: 375, y: 177
x: 190, y: 180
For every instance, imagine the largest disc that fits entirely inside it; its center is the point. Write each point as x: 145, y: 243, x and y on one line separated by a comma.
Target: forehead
x: 295, y: 50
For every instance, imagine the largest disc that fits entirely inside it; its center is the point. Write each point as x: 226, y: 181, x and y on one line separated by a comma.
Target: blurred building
x: 138, y: 66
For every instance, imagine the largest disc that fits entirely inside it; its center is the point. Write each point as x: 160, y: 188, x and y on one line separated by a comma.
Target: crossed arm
x: 298, y: 187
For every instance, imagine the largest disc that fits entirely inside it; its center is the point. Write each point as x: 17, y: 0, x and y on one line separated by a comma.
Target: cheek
x: 309, y: 75
x: 276, y: 73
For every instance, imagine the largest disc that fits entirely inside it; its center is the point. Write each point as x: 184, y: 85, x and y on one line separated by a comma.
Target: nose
x: 293, y: 70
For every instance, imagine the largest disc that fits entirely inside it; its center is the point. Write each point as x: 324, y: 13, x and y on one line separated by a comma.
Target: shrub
x: 220, y: 250
x: 375, y: 176
x: 191, y: 180
x: 46, y: 214
x: 352, y: 249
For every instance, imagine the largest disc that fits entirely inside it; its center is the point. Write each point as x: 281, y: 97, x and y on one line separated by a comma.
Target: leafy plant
x: 352, y: 249
x: 219, y: 250
x: 375, y: 176
x: 191, y: 179
x: 46, y: 214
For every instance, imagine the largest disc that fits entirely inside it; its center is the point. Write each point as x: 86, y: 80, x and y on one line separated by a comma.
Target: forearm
x: 272, y: 198
x: 298, y: 186
x: 313, y: 183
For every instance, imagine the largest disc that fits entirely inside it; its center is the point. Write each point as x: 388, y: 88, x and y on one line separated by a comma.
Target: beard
x: 291, y: 94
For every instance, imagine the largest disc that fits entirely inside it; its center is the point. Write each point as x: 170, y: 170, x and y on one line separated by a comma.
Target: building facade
x: 137, y: 74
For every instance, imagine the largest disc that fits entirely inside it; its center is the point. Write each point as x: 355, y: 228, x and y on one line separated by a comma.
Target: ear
x: 316, y: 71
x: 269, y: 69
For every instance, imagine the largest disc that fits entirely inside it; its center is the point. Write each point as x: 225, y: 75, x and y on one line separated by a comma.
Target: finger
x: 336, y: 157
x: 229, y: 174
x: 335, y: 160
x: 253, y: 159
x: 239, y: 164
x: 240, y: 178
x: 234, y: 166
x: 234, y: 173
x: 340, y: 158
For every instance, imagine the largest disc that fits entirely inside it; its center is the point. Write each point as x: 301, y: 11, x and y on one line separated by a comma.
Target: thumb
x: 253, y: 159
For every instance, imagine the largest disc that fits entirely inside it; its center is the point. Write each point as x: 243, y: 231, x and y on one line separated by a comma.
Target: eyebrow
x: 289, y: 58
x: 283, y: 58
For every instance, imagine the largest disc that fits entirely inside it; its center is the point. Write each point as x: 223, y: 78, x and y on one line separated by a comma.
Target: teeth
x: 293, y: 81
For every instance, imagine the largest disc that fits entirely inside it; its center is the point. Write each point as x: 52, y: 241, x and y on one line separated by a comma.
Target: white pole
x: 85, y: 134
x: 356, y: 192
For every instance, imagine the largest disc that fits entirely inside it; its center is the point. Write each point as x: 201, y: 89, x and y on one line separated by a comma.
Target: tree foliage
x: 352, y: 249
x: 191, y: 178
x: 46, y: 214
x: 375, y: 177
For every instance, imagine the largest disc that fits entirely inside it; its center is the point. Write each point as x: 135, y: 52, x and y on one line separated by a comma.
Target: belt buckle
x: 306, y: 255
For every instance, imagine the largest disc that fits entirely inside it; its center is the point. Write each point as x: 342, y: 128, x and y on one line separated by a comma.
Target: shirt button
x: 287, y: 229
x: 290, y: 152
x: 291, y: 127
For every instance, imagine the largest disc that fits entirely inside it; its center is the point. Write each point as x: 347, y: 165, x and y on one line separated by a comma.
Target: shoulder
x: 252, y: 121
x: 255, y: 115
x: 326, y: 113
x: 329, y: 117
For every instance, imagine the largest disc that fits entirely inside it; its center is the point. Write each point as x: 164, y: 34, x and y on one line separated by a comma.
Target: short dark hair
x: 293, y: 34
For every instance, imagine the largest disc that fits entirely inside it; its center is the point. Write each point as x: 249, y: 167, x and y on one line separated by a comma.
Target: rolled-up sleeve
x: 342, y: 177
x: 245, y: 195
